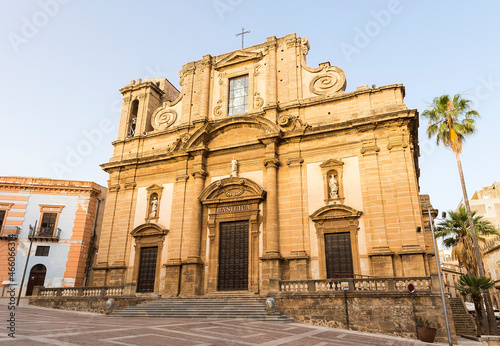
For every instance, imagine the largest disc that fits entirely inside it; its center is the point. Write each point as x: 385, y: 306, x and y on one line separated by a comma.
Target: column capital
x: 182, y: 177
x: 200, y: 174
x: 271, y: 162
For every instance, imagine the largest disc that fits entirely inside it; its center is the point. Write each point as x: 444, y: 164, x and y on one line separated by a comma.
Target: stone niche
x: 333, y: 182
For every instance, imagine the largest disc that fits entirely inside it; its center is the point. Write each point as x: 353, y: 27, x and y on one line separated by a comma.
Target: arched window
x: 134, y: 108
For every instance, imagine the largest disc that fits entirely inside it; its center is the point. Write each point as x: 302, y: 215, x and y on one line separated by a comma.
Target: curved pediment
x: 335, y: 211
x: 214, y: 132
x: 232, y: 189
x: 149, y: 229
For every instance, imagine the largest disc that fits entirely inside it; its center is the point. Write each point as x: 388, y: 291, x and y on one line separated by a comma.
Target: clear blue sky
x: 63, y: 61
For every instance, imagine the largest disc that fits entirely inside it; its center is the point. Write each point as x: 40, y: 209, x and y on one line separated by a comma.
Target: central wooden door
x: 147, y: 269
x: 338, y: 255
x: 233, y: 256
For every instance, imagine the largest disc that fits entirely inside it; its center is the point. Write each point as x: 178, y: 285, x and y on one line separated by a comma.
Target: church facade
x: 260, y: 168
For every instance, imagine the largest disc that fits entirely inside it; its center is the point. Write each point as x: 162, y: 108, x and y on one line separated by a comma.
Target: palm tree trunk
x: 487, y: 298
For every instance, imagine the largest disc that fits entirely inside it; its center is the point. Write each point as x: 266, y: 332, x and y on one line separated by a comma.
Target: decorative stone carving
x: 369, y: 146
x: 334, y: 187
x: 259, y: 101
x: 163, y: 117
x: 330, y: 81
x: 154, y: 207
x: 256, y: 69
x: 218, y: 108
x: 291, y: 122
x: 178, y: 141
x: 333, y: 172
x: 221, y: 80
x: 234, y: 168
x: 305, y: 45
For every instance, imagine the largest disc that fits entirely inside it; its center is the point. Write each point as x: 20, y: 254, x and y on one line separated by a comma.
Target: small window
x: 42, y: 251
x: 238, y: 95
x: 134, y: 109
x: 48, y: 224
x: 2, y: 218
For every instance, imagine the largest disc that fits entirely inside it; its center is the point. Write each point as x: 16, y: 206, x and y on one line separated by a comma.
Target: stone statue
x: 334, y: 187
x: 154, y: 207
x: 234, y: 168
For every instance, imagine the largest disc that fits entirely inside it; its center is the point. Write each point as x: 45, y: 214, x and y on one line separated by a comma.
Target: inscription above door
x: 233, y: 256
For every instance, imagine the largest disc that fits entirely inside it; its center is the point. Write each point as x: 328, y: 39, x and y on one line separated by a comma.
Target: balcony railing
x: 354, y: 284
x: 10, y: 233
x: 52, y: 292
x: 45, y: 234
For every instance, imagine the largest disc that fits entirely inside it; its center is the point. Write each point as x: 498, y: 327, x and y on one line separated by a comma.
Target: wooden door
x: 233, y: 256
x: 37, y: 278
x: 147, y: 269
x: 338, y: 255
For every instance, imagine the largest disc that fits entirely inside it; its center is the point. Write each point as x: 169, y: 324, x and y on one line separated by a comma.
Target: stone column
x: 271, y: 268
x: 272, y: 76
x: 192, y: 267
x: 196, y: 215
x: 381, y: 255
x: 205, y: 93
x: 299, y: 260
x: 272, y: 228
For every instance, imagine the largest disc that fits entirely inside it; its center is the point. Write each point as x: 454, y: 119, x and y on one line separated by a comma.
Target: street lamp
x: 431, y: 223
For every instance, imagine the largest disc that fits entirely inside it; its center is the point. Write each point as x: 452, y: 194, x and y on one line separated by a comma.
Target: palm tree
x: 456, y: 234
x: 475, y: 286
x: 451, y: 120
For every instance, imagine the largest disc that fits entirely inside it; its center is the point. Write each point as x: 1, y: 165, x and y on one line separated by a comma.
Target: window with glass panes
x: 238, y: 95
x: 48, y: 224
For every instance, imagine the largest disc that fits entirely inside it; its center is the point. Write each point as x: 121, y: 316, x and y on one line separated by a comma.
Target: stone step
x: 216, y: 306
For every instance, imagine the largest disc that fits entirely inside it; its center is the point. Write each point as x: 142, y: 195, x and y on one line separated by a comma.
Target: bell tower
x: 140, y: 100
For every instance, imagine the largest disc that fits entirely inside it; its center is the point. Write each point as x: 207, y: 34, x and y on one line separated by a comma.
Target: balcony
x: 45, y: 234
x: 10, y: 233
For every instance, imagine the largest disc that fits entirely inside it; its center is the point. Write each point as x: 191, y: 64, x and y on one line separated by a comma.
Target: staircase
x: 464, y: 322
x: 215, y: 305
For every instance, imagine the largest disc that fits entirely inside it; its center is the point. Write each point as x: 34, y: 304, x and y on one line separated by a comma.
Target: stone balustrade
x: 52, y: 292
x: 354, y: 284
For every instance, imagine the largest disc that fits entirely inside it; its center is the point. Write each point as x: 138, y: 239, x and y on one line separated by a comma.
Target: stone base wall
x: 89, y: 304
x: 383, y: 313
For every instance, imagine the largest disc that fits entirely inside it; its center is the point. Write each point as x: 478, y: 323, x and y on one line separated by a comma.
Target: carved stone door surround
x: 148, y: 235
x: 228, y: 200
x: 336, y: 218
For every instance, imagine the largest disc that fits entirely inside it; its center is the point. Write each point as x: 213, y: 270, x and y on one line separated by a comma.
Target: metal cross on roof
x: 242, y: 33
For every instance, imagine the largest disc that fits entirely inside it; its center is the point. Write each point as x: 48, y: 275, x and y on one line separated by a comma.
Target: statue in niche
x: 234, y: 168
x: 154, y: 207
x: 334, y: 187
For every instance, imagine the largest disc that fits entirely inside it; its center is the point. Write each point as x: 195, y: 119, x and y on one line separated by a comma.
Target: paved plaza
x: 41, y: 326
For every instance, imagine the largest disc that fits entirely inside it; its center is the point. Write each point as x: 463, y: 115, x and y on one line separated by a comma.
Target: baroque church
x: 261, y: 168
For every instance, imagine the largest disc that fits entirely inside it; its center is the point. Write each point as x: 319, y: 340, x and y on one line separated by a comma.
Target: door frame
x: 148, y: 235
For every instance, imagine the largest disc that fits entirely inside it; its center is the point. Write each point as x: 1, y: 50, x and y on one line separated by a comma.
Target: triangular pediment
x: 154, y: 187
x: 331, y: 163
x: 237, y: 57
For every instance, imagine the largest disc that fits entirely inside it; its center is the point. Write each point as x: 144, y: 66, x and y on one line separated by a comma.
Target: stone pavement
x: 42, y: 326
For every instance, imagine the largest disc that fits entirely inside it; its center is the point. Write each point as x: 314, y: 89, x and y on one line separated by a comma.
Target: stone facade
x: 67, y: 229
x: 306, y: 162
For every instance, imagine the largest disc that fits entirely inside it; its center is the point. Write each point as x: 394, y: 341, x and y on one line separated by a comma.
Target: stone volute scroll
x: 332, y: 171
x: 163, y: 117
